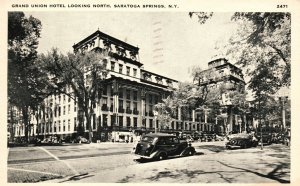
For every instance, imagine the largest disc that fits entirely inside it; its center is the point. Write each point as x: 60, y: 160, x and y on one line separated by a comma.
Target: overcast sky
x: 185, y: 42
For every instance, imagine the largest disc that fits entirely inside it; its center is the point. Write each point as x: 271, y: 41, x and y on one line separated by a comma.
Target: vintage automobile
x: 81, y: 139
x: 241, y: 140
x: 159, y: 146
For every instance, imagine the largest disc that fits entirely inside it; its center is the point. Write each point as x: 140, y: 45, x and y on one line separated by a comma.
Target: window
x: 75, y: 124
x: 121, y: 121
x: 128, y: 71
x: 64, y: 110
x: 104, y: 120
x: 120, y: 93
x: 134, y: 105
x: 112, y: 66
x: 59, y: 126
x: 128, y: 94
x: 69, y: 99
x: 150, y: 108
x: 75, y: 108
x: 127, y: 105
x: 104, y: 101
x: 135, y: 122
x: 69, y: 125
x: 112, y: 119
x: 120, y: 103
x: 111, y: 103
x: 69, y: 109
x: 55, y: 126
x: 55, y: 111
x: 120, y: 69
x: 150, y: 123
x: 59, y: 113
x: 128, y: 122
x: 135, y: 95
x: 64, y: 98
x: 64, y: 126
x: 134, y: 72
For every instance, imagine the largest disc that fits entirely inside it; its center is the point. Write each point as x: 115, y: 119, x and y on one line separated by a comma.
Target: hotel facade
x: 130, y: 92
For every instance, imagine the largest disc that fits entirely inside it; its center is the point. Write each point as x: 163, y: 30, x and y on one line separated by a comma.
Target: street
x: 113, y: 163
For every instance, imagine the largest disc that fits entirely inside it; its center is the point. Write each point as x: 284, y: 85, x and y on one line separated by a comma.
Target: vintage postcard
x: 162, y: 92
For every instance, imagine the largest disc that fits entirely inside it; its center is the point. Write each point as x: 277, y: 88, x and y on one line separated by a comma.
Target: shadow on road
x: 143, y: 160
x: 276, y: 174
x: 213, y: 148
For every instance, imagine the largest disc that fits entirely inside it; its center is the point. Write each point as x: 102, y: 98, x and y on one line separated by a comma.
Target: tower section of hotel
x: 130, y: 92
x: 219, y: 73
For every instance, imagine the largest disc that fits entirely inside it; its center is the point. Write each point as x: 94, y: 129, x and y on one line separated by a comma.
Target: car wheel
x: 191, y: 153
x: 162, y: 156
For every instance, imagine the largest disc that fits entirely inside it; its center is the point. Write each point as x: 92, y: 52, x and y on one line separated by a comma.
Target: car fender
x: 187, y: 150
x: 156, y: 153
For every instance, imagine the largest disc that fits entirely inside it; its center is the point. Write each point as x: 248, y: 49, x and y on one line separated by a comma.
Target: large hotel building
x: 126, y: 107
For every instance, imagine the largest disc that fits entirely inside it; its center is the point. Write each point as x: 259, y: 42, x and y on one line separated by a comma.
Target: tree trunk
x: 88, y: 122
x: 25, y: 119
x: 80, y: 127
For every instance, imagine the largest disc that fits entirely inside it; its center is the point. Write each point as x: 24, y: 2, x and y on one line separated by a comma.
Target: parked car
x: 189, y: 139
x: 51, y: 140
x: 160, y: 146
x: 81, y: 139
x: 67, y: 139
x: 207, y: 137
x: 241, y: 140
x: 266, y: 138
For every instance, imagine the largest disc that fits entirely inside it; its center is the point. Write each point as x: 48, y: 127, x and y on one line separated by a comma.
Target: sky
x: 184, y: 41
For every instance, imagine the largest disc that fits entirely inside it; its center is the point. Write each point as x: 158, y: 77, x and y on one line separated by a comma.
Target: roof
x: 107, y: 37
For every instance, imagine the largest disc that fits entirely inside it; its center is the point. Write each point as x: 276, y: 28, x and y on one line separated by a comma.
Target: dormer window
x: 120, y: 69
x: 107, y: 45
x: 133, y: 55
x: 112, y: 66
x: 128, y: 71
x: 134, y: 72
x: 169, y: 82
x: 159, y: 80
x: 147, y: 77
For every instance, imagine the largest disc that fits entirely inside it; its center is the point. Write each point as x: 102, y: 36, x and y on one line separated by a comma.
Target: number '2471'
x: 282, y: 6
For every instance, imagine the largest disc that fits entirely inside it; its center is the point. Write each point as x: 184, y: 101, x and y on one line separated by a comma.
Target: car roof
x: 159, y: 135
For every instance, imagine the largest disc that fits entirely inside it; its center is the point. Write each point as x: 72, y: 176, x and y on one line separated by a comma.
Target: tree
x: 26, y: 85
x: 83, y: 74
x: 166, y: 112
x: 261, y: 44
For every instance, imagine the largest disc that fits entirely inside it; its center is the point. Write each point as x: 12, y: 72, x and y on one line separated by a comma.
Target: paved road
x: 113, y: 163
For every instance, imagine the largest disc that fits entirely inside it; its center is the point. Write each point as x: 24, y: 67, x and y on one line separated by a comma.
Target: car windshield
x: 147, y: 139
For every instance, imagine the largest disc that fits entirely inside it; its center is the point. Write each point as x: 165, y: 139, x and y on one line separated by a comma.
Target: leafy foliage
x: 83, y: 74
x: 261, y: 45
x: 26, y: 84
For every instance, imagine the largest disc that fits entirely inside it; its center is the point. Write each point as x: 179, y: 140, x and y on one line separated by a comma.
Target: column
x: 115, y: 101
x: 193, y: 115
